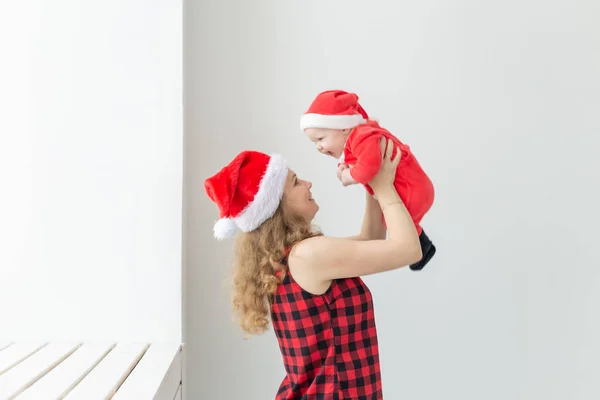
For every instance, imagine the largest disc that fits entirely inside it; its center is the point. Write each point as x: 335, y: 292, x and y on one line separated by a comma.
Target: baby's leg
x: 420, y: 199
x: 417, y: 203
x: 428, y: 249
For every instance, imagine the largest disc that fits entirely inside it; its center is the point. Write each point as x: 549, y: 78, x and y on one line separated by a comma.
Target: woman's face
x: 297, y: 198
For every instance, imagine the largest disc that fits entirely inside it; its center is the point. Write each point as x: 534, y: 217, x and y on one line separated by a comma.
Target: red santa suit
x: 363, y: 153
x: 337, y: 109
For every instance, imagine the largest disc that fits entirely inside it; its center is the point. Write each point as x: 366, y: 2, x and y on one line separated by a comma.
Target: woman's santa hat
x: 247, y: 191
x: 334, y: 109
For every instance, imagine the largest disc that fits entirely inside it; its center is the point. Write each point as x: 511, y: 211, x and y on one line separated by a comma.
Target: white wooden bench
x: 90, y: 371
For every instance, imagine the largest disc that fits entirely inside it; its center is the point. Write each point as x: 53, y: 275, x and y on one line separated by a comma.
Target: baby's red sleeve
x: 366, y: 148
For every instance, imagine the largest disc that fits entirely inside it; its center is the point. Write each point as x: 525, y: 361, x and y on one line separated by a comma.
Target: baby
x: 341, y: 128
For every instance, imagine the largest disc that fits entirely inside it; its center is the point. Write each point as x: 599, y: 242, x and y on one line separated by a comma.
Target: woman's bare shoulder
x: 302, y: 265
x: 307, y: 247
x: 320, y: 248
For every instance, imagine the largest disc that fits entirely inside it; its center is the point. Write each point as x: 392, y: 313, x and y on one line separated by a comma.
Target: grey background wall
x: 500, y: 101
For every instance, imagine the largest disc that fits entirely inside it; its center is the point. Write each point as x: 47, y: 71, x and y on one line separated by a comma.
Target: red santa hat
x: 334, y: 109
x: 247, y: 191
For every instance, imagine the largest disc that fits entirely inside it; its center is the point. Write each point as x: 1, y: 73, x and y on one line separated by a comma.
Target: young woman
x: 306, y: 283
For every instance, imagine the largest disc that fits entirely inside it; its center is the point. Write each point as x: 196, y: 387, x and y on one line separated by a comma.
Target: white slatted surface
x: 90, y: 371
x: 105, y: 379
x: 62, y: 379
x: 14, y: 354
x: 156, y: 373
x: 14, y: 381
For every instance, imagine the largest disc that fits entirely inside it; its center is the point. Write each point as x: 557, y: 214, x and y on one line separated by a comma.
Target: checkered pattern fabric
x: 328, y: 342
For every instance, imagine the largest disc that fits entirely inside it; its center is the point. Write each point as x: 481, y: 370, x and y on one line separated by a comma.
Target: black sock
x: 428, y: 249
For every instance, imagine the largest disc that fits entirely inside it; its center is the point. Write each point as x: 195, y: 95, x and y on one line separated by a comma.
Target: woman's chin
x: 316, y: 209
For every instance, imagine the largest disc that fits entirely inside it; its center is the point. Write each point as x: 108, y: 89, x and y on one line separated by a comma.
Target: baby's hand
x: 346, y: 178
x: 341, y: 167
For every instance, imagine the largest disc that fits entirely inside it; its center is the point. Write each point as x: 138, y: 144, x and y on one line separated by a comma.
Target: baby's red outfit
x: 340, y: 110
x: 363, y: 153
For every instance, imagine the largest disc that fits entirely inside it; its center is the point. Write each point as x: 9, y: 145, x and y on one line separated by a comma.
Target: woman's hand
x: 384, y: 180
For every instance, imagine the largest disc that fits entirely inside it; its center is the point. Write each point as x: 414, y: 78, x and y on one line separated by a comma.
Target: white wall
x: 90, y: 170
x: 500, y: 101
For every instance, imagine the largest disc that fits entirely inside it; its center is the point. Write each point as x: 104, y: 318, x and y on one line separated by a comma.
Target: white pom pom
x: 225, y: 228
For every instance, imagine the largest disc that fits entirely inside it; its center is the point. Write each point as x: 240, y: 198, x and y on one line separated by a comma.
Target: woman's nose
x: 309, y: 184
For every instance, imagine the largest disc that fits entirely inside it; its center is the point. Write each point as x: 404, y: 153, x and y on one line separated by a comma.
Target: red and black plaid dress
x: 328, y: 342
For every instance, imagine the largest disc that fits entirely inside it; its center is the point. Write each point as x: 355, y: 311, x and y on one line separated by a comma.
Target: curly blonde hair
x: 258, y: 257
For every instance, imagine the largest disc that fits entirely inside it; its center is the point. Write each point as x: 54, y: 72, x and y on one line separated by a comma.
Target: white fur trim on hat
x: 330, y: 121
x: 224, y: 228
x: 269, y: 195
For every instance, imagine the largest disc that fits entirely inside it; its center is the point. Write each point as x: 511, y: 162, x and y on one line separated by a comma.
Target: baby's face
x: 329, y: 141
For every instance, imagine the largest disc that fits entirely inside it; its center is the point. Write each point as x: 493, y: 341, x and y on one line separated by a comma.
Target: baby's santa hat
x: 247, y: 191
x: 334, y: 109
